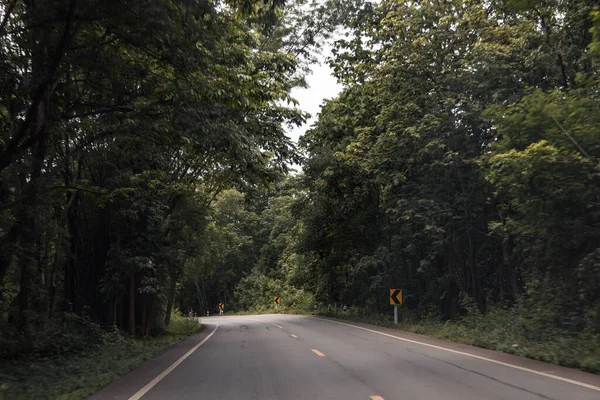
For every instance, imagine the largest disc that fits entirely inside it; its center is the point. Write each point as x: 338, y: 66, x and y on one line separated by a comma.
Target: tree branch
x: 9, y: 10
x: 15, y: 146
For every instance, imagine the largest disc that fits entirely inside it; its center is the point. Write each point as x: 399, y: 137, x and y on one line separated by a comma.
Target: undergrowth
x: 505, y: 330
x: 71, y: 369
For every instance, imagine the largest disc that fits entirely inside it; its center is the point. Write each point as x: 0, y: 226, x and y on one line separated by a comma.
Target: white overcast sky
x: 321, y: 85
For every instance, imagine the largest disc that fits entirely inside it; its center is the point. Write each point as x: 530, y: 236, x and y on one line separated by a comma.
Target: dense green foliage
x: 121, y: 125
x: 124, y: 127
x: 144, y: 165
x: 461, y: 157
x: 461, y: 164
x: 132, y: 135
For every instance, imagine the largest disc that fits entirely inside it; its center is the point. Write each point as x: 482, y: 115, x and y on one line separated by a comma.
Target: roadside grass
x: 503, y: 331
x: 78, y: 375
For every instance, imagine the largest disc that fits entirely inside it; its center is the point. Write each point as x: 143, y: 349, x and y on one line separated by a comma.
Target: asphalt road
x: 298, y: 357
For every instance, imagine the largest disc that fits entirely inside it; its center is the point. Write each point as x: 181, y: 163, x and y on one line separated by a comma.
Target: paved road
x: 298, y: 357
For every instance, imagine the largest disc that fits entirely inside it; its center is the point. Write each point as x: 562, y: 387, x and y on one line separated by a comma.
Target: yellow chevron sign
x: 395, y: 297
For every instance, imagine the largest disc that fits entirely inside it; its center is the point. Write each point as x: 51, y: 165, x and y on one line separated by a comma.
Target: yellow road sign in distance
x: 221, y: 306
x: 277, y: 300
x: 395, y: 297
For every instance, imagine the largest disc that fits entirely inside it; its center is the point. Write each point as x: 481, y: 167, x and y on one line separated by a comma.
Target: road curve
x: 299, y: 357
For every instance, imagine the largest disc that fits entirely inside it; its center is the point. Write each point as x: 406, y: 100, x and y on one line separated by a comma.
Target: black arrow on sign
x: 394, y: 296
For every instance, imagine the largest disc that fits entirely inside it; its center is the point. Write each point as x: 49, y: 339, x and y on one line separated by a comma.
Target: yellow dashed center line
x: 317, y: 352
x: 376, y: 397
x: 279, y: 326
x: 294, y: 336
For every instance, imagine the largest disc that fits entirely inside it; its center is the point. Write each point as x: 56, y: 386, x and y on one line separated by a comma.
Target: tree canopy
x: 144, y: 164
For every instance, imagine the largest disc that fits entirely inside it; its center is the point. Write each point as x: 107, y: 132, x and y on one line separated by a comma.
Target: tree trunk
x: 477, y: 291
x: 7, y: 250
x: 149, y: 318
x: 132, y: 304
x: 171, y: 298
x: 70, y: 279
x: 24, y: 283
x: 111, y: 318
x: 199, y: 297
x: 114, y: 312
x: 144, y: 314
x: 28, y: 222
x: 120, y: 318
x: 51, y: 299
x: 510, y: 272
x: 71, y: 210
x: 453, y: 290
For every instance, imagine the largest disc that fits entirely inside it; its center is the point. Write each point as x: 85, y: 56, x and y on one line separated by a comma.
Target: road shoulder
x: 478, y: 352
x: 126, y: 386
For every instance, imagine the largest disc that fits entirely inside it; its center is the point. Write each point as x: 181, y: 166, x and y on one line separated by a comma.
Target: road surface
x: 300, y: 357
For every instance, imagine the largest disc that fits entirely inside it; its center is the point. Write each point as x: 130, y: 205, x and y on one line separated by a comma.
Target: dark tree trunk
x: 171, y: 298
x: 452, y: 291
x: 150, y: 318
x: 144, y: 315
x: 51, y: 299
x: 27, y: 221
x: 25, y: 284
x: 508, y: 269
x: 70, y: 278
x: 475, y: 283
x: 120, y: 318
x: 131, y: 304
x: 7, y: 250
x: 111, y: 316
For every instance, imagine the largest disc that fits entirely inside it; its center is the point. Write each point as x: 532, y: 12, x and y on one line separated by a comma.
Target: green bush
x: 182, y: 326
x: 49, y: 338
x: 256, y: 292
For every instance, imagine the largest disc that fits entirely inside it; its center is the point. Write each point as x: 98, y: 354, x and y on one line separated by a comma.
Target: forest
x: 145, y: 169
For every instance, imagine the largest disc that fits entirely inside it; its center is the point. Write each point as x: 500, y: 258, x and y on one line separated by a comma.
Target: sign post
x: 221, y: 308
x: 277, y: 302
x: 396, y: 300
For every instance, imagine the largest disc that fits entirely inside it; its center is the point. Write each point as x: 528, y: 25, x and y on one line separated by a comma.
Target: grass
x: 502, y: 331
x: 81, y: 374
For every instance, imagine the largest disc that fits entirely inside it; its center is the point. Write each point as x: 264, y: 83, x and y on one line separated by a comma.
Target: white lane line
x: 547, y: 375
x: 166, y: 372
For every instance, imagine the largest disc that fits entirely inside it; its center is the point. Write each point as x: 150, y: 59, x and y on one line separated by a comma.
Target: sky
x: 321, y: 85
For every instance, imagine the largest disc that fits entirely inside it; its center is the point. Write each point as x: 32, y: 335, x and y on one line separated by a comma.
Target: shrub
x: 182, y: 326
